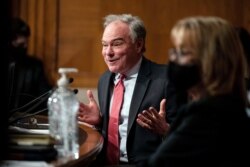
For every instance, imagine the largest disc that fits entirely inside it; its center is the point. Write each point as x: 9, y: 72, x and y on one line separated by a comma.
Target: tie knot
x: 122, y: 76
x: 120, y: 80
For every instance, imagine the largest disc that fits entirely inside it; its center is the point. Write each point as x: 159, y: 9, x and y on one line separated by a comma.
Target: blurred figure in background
x: 244, y: 36
x: 26, y: 76
x: 212, y: 129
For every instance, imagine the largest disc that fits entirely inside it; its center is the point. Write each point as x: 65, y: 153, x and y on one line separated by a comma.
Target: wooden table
x: 90, y: 144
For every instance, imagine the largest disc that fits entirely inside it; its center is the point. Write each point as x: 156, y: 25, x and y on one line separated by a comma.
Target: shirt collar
x: 133, y: 72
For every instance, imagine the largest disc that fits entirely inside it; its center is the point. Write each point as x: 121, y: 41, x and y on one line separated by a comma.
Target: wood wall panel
x: 79, y: 27
x: 68, y: 33
x: 41, y: 15
x: 50, y: 37
x: 246, y: 14
x: 160, y: 16
x: 39, y: 28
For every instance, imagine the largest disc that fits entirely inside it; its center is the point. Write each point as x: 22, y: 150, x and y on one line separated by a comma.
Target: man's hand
x: 90, y: 113
x: 154, y: 121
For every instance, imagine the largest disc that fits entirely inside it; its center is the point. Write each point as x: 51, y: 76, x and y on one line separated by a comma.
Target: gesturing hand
x: 153, y: 120
x: 89, y: 113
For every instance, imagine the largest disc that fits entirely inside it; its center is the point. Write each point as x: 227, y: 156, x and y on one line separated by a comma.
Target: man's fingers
x: 150, y: 114
x: 163, y: 108
x: 143, y: 118
x: 80, y: 116
x: 82, y: 107
x: 90, y: 96
x: 143, y: 124
x: 163, y: 104
x: 147, y: 120
x: 154, y: 113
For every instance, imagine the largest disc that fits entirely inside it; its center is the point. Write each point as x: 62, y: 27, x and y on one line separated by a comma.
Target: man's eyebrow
x: 116, y: 39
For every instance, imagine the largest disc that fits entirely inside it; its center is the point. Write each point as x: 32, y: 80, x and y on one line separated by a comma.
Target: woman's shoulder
x: 219, y: 105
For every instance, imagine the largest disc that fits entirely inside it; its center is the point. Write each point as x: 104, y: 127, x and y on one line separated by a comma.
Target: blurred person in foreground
x: 212, y: 129
x: 244, y: 36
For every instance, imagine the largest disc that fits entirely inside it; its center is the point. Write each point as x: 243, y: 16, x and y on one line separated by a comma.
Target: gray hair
x: 136, y: 25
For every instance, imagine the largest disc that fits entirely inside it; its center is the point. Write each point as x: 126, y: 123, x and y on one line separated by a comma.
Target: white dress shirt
x: 129, y: 84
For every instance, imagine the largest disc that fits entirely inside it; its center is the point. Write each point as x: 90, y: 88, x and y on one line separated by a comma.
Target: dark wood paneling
x: 246, y: 14
x: 68, y: 33
x: 79, y: 39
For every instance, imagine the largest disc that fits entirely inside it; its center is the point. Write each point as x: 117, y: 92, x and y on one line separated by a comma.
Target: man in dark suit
x: 27, y: 78
x: 123, y: 44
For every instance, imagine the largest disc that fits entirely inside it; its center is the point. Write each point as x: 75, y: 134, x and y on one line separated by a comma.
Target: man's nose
x: 109, y: 50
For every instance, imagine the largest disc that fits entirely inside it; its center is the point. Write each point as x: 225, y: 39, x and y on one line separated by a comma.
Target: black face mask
x: 18, y: 53
x: 183, y: 77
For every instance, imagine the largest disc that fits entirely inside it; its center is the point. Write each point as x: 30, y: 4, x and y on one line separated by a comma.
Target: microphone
x: 16, y: 114
x: 14, y: 120
x: 43, y: 97
x: 27, y: 113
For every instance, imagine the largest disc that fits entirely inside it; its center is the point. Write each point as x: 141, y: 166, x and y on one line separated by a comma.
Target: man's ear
x: 140, y: 45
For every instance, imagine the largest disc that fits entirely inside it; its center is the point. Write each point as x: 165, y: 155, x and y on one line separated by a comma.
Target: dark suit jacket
x: 150, y: 89
x: 27, y: 81
x: 211, y: 132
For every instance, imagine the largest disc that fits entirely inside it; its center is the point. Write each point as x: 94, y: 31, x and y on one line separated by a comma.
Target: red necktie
x: 113, y: 146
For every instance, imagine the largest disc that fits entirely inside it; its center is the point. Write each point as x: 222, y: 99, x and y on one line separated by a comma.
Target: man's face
x: 20, y: 41
x: 120, y: 53
x: 19, y: 46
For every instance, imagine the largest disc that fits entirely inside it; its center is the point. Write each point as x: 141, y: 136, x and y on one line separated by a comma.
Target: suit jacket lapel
x: 141, y: 86
x: 105, y: 94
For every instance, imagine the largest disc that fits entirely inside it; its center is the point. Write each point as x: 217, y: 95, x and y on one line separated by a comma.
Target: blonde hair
x: 218, y: 50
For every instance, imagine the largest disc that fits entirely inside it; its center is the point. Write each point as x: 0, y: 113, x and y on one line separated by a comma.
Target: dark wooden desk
x: 90, y: 144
